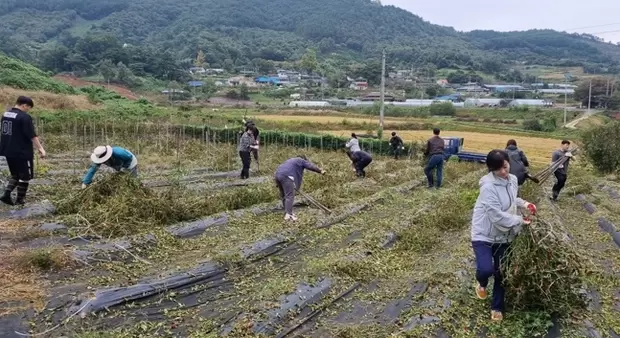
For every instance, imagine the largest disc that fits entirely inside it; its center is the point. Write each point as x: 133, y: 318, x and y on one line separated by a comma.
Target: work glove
x: 526, y: 221
x: 531, y: 208
x: 84, y: 186
x: 323, y: 172
x: 568, y: 154
x: 254, y: 147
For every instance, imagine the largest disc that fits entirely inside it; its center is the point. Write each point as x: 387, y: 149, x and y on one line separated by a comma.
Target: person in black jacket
x: 397, y: 144
x: 18, y: 137
x: 361, y: 160
x: 519, y: 165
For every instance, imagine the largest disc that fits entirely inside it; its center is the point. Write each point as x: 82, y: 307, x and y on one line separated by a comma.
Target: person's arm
x: 493, y: 209
x: 311, y: 166
x: 555, y: 156
x: 31, y: 134
x: 524, y: 159
x: 88, y: 178
x: 400, y: 141
x: 348, y: 144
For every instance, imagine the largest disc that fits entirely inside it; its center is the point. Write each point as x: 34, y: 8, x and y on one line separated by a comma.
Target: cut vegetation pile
x: 119, y: 205
x: 544, y: 270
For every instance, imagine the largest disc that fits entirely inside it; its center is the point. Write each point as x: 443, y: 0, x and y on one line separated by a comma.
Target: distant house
x: 359, y: 85
x: 472, y: 88
x: 271, y: 80
x: 195, y: 83
x: 172, y: 91
x: 505, y: 88
x: 309, y: 104
x: 295, y: 96
x: 239, y: 80
x: 198, y: 70
x: 531, y: 103
x: 443, y: 82
x: 215, y: 70
x: 483, y: 102
x: 556, y: 91
x: 376, y: 96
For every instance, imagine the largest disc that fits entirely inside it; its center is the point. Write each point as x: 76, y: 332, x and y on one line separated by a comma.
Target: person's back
x: 354, y: 145
x: 294, y: 167
x: 17, y: 135
x: 518, y: 163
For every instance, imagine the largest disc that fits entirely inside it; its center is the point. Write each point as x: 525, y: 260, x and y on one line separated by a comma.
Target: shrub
x: 601, y: 145
x: 532, y: 125
x: 442, y: 109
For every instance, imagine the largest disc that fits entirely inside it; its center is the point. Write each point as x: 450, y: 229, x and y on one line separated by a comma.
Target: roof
x: 195, y: 83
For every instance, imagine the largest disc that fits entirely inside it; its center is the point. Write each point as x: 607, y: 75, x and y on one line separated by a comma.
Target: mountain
x: 76, y: 34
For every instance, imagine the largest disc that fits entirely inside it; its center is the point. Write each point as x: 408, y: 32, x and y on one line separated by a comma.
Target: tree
x: 208, y: 89
x: 309, y: 61
x: 244, y: 92
x: 200, y: 59
x: 107, y: 70
x: 532, y: 125
x: 124, y: 75
x: 601, y: 145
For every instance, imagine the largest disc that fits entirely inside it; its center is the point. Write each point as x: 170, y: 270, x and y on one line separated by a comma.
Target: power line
x: 606, y: 32
x: 596, y: 26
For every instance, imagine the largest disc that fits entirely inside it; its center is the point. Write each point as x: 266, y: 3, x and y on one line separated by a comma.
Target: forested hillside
x: 161, y: 37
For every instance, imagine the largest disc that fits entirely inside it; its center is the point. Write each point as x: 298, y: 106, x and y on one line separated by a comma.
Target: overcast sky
x: 562, y: 15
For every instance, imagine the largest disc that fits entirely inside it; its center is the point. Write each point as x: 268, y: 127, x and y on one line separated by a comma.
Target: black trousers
x: 20, y: 169
x: 396, y: 152
x: 561, y: 181
x: 245, y: 160
x: 360, y: 166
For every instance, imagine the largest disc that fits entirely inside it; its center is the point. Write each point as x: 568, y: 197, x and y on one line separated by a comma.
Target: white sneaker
x: 290, y: 217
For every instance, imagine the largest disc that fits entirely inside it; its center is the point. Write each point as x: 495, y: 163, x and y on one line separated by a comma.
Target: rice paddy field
x: 196, y: 252
x: 537, y: 149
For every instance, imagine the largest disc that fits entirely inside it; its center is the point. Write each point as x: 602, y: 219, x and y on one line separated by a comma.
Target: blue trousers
x: 488, y: 258
x: 435, y: 162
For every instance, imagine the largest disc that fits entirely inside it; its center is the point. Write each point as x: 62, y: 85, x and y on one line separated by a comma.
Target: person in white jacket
x: 353, y: 144
x: 495, y: 223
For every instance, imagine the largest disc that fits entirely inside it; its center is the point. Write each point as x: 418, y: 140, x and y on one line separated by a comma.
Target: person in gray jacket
x: 289, y: 176
x: 246, y: 145
x: 495, y: 223
x: 562, y: 172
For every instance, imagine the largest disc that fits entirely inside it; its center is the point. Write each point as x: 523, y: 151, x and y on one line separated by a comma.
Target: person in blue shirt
x: 115, y: 157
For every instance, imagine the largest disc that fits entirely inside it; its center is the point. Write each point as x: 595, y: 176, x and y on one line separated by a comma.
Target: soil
x: 77, y: 82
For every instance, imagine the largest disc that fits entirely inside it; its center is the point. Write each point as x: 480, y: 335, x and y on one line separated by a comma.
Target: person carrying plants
x: 361, y: 160
x: 519, y: 164
x: 562, y: 171
x: 289, y: 176
x: 16, y: 144
x: 397, y: 144
x: 246, y: 144
x: 435, y: 154
x: 495, y: 223
x: 117, y: 158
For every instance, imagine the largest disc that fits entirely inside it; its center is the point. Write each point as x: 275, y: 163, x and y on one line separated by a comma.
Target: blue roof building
x: 195, y: 83
x: 268, y: 79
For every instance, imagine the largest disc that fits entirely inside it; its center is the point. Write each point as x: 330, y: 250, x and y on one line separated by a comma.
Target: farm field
x: 335, y: 119
x: 537, y: 149
x: 392, y: 259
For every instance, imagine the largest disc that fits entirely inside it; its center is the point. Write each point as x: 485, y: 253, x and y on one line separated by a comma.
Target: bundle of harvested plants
x: 119, y: 205
x: 543, y: 270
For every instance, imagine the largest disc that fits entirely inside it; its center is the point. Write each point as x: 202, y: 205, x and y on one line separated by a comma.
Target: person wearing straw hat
x: 289, y: 176
x: 114, y: 157
x: 495, y: 222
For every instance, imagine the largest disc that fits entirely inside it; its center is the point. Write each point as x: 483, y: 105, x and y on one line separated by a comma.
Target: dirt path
x: 77, y: 82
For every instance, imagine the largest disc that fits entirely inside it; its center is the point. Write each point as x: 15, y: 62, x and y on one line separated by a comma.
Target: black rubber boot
x: 6, y: 198
x: 22, y: 189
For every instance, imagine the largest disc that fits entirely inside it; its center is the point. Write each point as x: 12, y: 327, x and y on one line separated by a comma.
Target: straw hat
x: 101, y: 154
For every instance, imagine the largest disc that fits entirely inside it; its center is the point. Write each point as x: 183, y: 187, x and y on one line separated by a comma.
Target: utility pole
x: 589, y: 96
x: 382, y: 109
